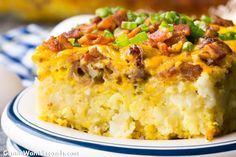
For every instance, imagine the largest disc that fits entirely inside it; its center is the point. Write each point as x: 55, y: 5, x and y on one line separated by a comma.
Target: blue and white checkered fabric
x: 17, y: 47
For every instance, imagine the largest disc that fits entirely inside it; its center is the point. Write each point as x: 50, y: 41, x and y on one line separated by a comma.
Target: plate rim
x: 21, y: 149
x: 193, y: 150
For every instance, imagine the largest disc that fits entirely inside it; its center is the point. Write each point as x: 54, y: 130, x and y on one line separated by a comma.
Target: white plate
x: 69, y: 23
x: 21, y: 124
x: 15, y: 150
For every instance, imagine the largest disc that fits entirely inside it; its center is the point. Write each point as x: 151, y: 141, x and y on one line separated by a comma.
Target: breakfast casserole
x: 141, y: 75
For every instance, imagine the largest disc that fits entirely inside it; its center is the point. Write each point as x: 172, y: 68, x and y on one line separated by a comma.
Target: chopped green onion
x: 188, y: 46
x: 155, y: 18
x: 196, y: 32
x: 115, y: 9
x: 184, y: 19
x: 139, y: 20
x: 181, y: 21
x: 108, y: 34
x: 103, y: 12
x: 169, y: 27
x: 143, y: 15
x: 71, y: 40
x: 76, y: 44
x: 140, y: 37
x: 122, y: 40
x: 170, y: 16
x: 131, y: 16
x: 162, y: 16
x: 200, y: 24
x: 228, y: 36
x: 206, y: 19
x: 144, y: 27
x: 128, y: 25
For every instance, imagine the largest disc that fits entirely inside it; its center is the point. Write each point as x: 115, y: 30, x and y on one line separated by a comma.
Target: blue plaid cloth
x: 17, y: 47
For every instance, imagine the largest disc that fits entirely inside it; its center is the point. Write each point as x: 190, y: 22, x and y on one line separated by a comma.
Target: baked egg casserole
x: 141, y: 75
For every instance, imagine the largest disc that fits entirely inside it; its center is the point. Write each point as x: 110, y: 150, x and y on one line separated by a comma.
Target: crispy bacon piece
x: 176, y: 48
x: 160, y: 35
x: 74, y: 33
x: 182, y: 29
x: 212, y: 51
x: 91, y: 39
x: 170, y: 42
x: 80, y: 30
x: 152, y: 28
x: 170, y: 50
x: 151, y: 43
x: 112, y: 21
x: 87, y: 28
x: 107, y: 23
x: 138, y: 73
x: 64, y: 42
x: 163, y: 48
x: 58, y: 44
x: 179, y: 34
x: 137, y: 52
x: 222, y: 22
x: 119, y: 16
x: 134, y: 32
x: 169, y: 72
x: 92, y: 56
x: 175, y: 39
x: 189, y: 71
x: 212, y: 31
x: 206, y: 40
x: 96, y: 20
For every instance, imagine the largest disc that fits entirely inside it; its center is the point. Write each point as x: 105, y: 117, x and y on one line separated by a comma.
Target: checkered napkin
x: 17, y: 47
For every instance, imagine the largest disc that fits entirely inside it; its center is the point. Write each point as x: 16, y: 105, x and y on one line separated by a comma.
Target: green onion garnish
x: 143, y: 14
x: 144, y: 27
x: 71, y: 40
x: 170, y: 16
x: 169, y: 27
x: 128, y: 25
x: 188, y: 46
x: 115, y: 9
x: 139, y: 20
x: 206, y: 19
x: 183, y: 19
x: 155, y: 18
x: 122, y: 40
x: 76, y: 44
x: 131, y: 16
x: 200, y: 24
x: 140, y: 37
x: 196, y: 31
x: 108, y: 34
x: 228, y: 36
x: 103, y: 12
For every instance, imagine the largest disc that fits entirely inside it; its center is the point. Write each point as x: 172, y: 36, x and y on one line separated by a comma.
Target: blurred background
x: 54, y: 10
x: 13, y: 12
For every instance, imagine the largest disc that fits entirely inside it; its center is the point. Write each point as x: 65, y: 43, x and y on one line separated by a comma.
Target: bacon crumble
x: 189, y: 71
